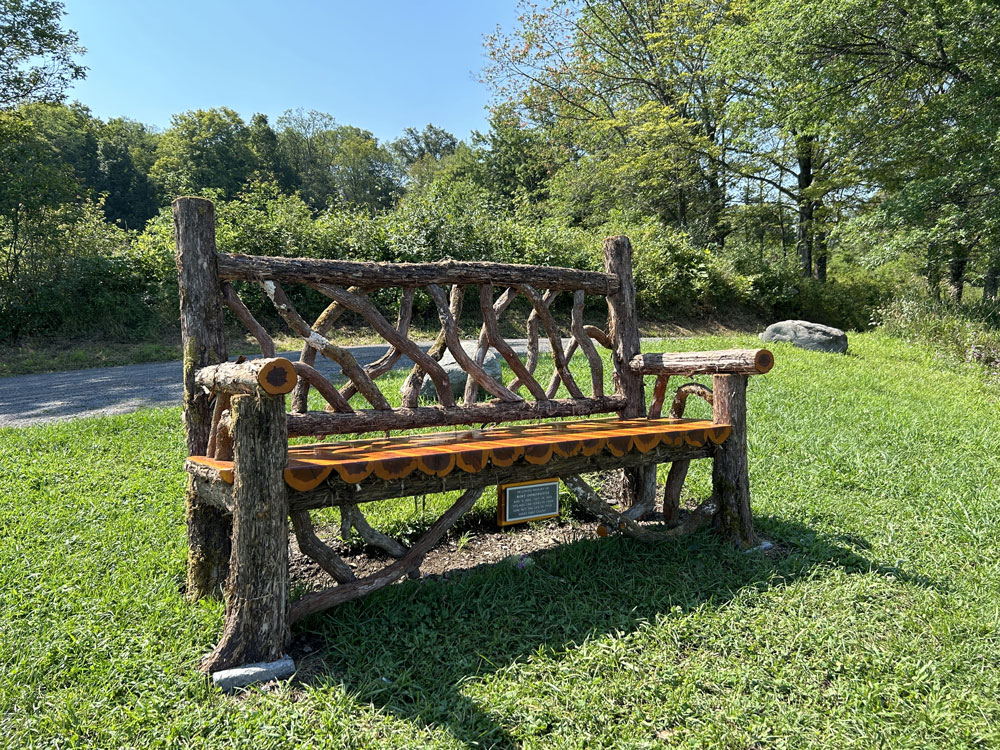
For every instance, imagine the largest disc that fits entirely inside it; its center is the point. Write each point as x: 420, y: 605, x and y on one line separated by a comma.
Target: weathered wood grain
x: 203, y: 343
x: 378, y: 275
x: 736, y: 361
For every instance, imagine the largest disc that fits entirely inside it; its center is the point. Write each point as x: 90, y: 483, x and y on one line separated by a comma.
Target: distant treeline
x: 787, y: 157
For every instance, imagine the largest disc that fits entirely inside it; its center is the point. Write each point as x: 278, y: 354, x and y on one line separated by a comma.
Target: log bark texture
x: 317, y: 424
x: 203, y: 344
x: 256, y: 628
x: 315, y: 549
x: 623, y: 330
x: 742, y: 361
x: 411, y: 387
x: 730, y: 473
x: 377, y: 275
x: 274, y: 377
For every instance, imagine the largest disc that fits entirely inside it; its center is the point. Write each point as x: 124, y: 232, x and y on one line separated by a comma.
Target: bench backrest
x: 452, y: 285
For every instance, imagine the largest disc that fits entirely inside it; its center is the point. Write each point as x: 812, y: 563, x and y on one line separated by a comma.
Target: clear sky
x: 382, y: 65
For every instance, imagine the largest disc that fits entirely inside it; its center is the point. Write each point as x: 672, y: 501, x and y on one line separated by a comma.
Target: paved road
x: 51, y: 397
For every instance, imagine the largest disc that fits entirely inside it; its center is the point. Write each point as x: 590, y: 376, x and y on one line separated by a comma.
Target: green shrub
x: 83, y: 277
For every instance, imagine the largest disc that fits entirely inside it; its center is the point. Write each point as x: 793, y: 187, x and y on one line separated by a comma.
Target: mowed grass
x: 876, y: 623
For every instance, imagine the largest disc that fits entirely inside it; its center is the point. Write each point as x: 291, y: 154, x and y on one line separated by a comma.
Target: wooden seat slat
x: 472, y: 450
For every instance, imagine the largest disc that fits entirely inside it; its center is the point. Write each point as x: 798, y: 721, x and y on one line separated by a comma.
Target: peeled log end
x: 277, y: 377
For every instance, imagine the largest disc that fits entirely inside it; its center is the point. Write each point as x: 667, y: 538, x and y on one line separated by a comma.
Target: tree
x: 270, y: 161
x: 337, y: 162
x: 912, y: 85
x: 36, y: 54
x: 606, y: 76
x: 203, y: 148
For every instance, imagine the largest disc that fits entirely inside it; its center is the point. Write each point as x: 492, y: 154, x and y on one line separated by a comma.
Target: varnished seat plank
x: 438, y: 454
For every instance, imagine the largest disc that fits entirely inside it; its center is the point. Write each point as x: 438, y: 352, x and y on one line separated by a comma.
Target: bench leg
x: 256, y: 593
x: 208, y: 530
x: 672, y: 492
x: 730, y: 475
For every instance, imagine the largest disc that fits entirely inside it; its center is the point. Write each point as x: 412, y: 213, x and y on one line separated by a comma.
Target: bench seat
x: 438, y: 454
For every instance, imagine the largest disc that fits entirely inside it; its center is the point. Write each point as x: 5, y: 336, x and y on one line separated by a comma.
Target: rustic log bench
x: 246, y: 482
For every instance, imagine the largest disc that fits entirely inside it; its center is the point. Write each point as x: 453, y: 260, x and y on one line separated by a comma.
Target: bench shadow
x: 411, y: 648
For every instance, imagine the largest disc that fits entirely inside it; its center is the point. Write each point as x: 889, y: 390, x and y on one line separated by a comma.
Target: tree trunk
x: 804, y: 238
x: 990, y: 280
x: 730, y: 473
x: 256, y: 627
x: 956, y: 273
x: 203, y: 344
x: 822, y: 244
x: 639, y: 483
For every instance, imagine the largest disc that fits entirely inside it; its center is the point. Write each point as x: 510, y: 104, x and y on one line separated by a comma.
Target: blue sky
x: 382, y: 65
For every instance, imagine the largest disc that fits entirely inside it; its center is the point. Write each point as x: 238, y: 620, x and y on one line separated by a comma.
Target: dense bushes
x: 83, y: 277
x: 93, y: 278
x: 966, y: 332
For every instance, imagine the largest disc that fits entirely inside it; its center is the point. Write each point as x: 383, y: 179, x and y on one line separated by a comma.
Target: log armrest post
x: 203, y: 344
x: 730, y: 472
x: 274, y: 376
x: 256, y: 592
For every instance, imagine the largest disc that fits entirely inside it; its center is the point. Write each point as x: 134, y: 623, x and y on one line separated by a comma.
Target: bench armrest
x: 273, y: 377
x: 726, y: 362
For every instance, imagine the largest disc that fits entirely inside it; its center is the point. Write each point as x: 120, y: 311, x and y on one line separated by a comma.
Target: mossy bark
x: 203, y: 344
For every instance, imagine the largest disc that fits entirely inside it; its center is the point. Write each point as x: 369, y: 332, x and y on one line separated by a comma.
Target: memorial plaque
x: 527, y: 501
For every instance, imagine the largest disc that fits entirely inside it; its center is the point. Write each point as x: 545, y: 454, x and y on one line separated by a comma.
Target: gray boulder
x: 457, y: 375
x: 250, y: 674
x: 806, y: 335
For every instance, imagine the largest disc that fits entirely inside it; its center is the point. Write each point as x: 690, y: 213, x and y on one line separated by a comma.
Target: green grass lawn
x: 876, y: 623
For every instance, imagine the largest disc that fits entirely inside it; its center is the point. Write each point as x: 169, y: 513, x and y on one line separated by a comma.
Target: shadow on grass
x: 410, y: 648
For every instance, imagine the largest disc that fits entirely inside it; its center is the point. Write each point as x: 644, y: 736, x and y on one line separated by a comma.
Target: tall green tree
x: 203, y: 148
x: 37, y: 56
x: 913, y: 86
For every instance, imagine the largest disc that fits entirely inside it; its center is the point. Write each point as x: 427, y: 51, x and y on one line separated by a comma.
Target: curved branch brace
x: 689, y: 389
x: 370, y: 313
x: 555, y: 340
x: 600, y: 337
x: 315, y: 549
x: 474, y: 369
x: 313, y: 377
x: 341, y: 356
x: 582, y: 338
x: 679, y: 469
x: 324, y: 322
x: 615, y: 521
x: 331, y: 597
x: 351, y: 515
x: 235, y: 304
x: 411, y: 388
x: 388, y: 360
x: 491, y: 334
x: 555, y: 380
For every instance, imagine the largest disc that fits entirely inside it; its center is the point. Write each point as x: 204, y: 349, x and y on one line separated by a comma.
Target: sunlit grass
x: 876, y: 624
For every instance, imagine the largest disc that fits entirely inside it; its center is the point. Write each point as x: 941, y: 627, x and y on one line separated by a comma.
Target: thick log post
x: 256, y: 628
x: 639, y: 485
x: 730, y: 476
x: 203, y: 344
